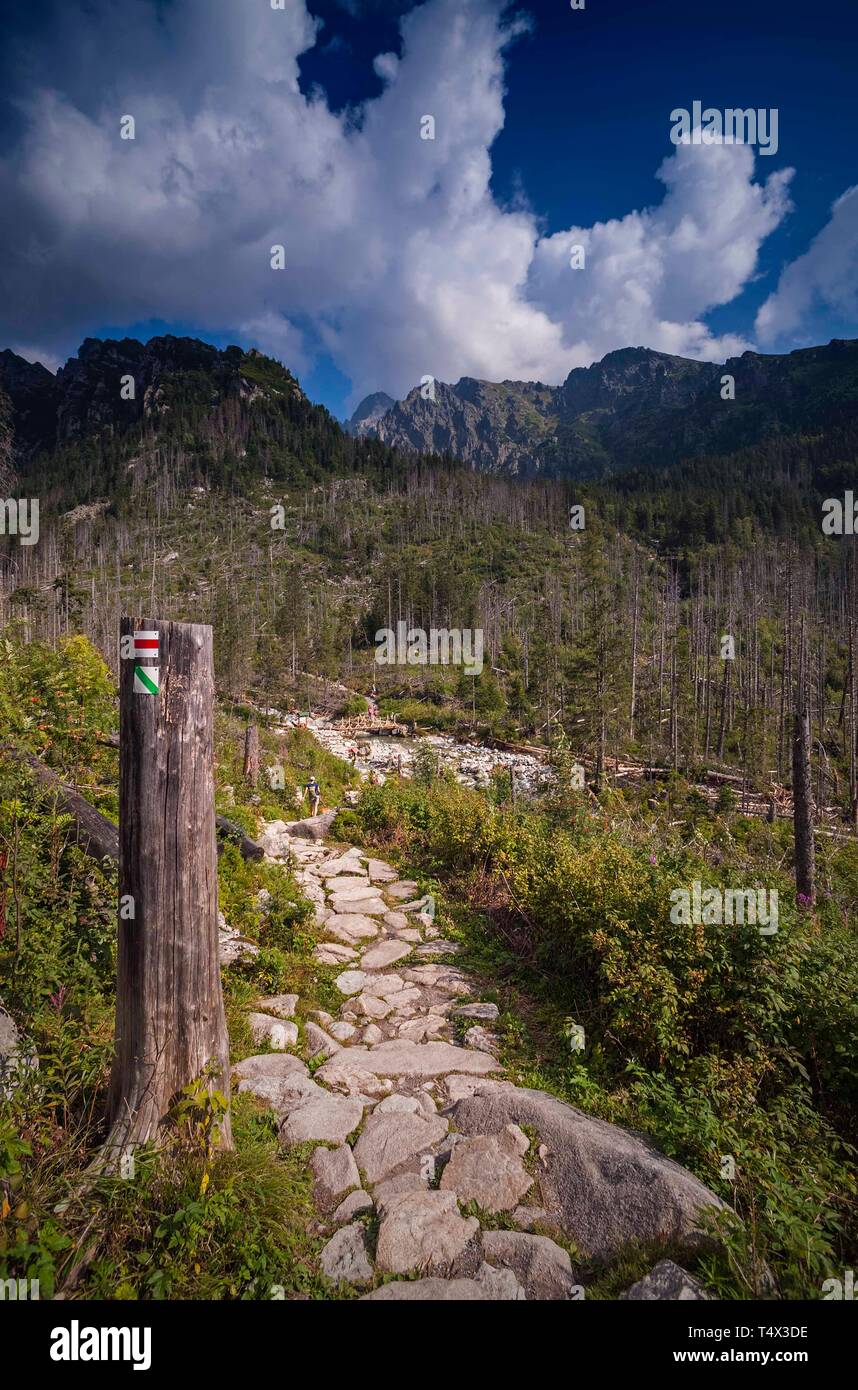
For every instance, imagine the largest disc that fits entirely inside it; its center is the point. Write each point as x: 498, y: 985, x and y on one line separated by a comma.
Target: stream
x: 472, y: 763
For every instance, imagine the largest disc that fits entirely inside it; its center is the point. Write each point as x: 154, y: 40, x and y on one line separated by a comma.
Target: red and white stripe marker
x: 146, y: 644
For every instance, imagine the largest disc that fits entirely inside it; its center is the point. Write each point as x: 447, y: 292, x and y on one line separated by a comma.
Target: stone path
x: 466, y: 1177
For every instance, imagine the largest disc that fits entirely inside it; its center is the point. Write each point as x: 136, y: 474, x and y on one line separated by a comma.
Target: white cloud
x: 275, y: 336
x: 650, y: 276
x: 826, y: 276
x: 398, y: 259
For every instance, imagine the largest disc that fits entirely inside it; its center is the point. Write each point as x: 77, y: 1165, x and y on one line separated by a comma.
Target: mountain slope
x: 122, y: 410
x: 636, y: 407
x: 370, y: 410
x: 112, y: 384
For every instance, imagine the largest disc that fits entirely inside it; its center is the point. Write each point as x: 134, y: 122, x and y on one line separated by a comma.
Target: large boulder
x: 608, y: 1186
x: 542, y: 1268
x: 422, y: 1231
x: 667, y: 1282
x: 314, y: 827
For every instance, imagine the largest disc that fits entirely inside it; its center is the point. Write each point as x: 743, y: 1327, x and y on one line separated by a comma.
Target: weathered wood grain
x: 170, y: 1024
x: 251, y: 755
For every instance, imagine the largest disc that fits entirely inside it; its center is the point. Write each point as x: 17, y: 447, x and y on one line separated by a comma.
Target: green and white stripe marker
x: 147, y: 680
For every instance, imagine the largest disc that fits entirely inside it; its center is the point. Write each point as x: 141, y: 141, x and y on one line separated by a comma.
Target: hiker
x: 313, y: 791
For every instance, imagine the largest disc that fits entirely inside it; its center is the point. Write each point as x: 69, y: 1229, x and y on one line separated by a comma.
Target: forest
x: 692, y: 646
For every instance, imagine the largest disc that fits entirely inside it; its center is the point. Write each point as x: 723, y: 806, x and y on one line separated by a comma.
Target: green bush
x: 716, y: 1039
x: 354, y: 705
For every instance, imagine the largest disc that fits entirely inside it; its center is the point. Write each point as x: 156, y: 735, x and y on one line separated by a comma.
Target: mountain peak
x: 369, y: 412
x: 90, y: 392
x: 636, y: 406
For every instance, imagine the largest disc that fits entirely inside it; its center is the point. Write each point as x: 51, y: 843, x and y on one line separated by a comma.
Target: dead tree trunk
x: 802, y: 793
x: 251, y: 755
x: 634, y: 671
x: 170, y: 1024
x: 95, y: 834
x: 228, y: 830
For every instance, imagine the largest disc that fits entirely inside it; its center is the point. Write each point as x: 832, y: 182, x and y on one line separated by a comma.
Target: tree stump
x: 251, y: 755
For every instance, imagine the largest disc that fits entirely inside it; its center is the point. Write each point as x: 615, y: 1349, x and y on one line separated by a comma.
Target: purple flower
x: 57, y: 1000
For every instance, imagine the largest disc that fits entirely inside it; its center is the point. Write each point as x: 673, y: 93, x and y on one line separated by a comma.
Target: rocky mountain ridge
x: 91, y: 393
x: 634, y: 407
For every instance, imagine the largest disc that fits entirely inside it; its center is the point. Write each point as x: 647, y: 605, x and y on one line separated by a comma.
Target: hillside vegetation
x: 221, y: 495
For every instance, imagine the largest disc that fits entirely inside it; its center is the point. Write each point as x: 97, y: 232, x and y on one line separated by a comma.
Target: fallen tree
x: 228, y: 830
x: 98, y: 836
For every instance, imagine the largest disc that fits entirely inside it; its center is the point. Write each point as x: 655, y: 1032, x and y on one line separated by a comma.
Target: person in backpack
x: 314, y: 793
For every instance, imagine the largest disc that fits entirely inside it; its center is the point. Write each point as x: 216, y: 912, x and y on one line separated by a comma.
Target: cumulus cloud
x: 648, y: 277
x: 399, y: 262
x: 826, y: 277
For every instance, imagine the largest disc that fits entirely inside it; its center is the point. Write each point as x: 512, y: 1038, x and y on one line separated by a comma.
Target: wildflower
x: 57, y: 1000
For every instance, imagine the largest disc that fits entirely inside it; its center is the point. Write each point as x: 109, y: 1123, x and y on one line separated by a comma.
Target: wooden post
x: 251, y: 755
x: 170, y: 1023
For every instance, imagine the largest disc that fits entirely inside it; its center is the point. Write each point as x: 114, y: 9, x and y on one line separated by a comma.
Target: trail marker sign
x: 147, y: 680
x: 146, y: 644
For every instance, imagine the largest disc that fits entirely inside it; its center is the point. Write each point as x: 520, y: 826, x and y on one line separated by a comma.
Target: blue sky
x: 404, y: 256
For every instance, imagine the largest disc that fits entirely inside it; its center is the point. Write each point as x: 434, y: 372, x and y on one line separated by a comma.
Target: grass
x: 187, y: 1224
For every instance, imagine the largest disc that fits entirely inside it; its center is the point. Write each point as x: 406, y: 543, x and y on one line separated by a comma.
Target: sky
x: 302, y: 124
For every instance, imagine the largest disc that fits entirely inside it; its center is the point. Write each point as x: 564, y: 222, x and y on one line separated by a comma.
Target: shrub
x: 715, y: 1039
